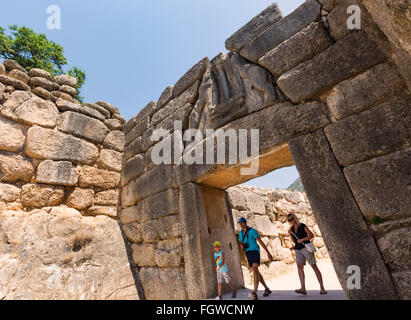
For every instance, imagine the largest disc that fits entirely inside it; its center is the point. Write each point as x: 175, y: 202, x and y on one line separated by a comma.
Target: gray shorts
x: 223, y: 276
x: 302, y: 255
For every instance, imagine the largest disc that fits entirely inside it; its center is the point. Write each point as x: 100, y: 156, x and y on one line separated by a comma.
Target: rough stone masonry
x: 79, y: 192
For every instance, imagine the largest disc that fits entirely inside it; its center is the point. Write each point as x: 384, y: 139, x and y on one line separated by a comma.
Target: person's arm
x: 309, y: 236
x: 270, y: 257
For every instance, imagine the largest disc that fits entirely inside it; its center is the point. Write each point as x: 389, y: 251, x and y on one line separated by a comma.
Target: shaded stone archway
x: 322, y: 97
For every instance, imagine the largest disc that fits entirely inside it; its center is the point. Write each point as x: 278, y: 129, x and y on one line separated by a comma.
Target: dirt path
x: 284, y: 285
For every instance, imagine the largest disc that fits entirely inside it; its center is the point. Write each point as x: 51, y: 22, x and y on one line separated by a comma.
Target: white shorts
x: 223, y: 276
x: 302, y: 255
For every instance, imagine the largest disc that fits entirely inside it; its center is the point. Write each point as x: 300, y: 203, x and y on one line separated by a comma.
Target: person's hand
x: 300, y: 241
x: 270, y: 257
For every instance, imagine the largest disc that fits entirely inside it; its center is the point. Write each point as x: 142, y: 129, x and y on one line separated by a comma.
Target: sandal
x: 234, y: 295
x: 300, y: 291
x: 266, y: 293
x: 323, y: 292
x: 253, y: 296
x: 219, y: 298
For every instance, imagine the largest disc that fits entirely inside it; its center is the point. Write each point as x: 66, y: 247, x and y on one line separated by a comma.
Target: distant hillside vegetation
x: 296, y: 186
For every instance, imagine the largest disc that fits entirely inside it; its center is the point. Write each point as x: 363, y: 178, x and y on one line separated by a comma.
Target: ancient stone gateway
x: 333, y: 101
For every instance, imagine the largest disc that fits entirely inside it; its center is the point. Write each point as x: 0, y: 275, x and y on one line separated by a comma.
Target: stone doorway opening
x: 266, y: 211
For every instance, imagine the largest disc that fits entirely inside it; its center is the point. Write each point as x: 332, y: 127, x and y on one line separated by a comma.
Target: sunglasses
x: 291, y: 219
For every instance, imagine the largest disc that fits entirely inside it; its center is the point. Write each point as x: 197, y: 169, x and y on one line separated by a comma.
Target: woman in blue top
x: 248, y: 240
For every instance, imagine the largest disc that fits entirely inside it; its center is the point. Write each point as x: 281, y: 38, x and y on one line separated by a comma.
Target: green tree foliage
x: 33, y: 50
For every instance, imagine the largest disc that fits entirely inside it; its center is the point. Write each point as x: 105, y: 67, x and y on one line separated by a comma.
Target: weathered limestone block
x: 68, y: 257
x: 2, y: 69
x: 38, y: 111
x: 307, y: 13
x: 110, y: 160
x: 191, y: 76
x: 115, y: 140
x: 38, y: 195
x: 13, y: 102
x: 98, y: 108
x: 133, y: 149
x: 108, y: 106
x: 265, y: 226
x: 44, y: 83
x: 149, y: 231
x: 254, y: 28
x: 43, y: 93
x: 65, y: 105
x: 290, y: 121
x: 180, y: 114
x: 80, y: 198
x: 165, y: 97
x: 347, y: 58
x: 102, y: 210
x: 49, y: 144
x: 19, y: 75
x: 372, y: 133
x: 193, y: 218
x: 107, y: 198
x: 17, y: 84
x: 143, y: 254
x: 363, y: 91
x: 156, y: 180
x: 65, y: 80
x: 303, y: 46
x: 132, y: 169
x: 64, y: 96
x: 328, y: 4
x: 69, y: 90
x: 9, y: 193
x: 163, y: 283
x: 403, y: 281
x: 12, y: 135
x: 339, y: 217
x: 138, y: 130
x: 237, y: 199
x: 119, y: 118
x: 133, y: 233
x: 36, y: 72
x: 15, y: 167
x: 392, y: 17
x: 113, y: 124
x: 59, y: 173
x: 381, y: 185
x: 168, y: 253
x: 158, y: 205
x: 84, y: 109
x: 338, y: 17
x: 396, y: 249
x: 12, y: 65
x: 169, y: 227
x: 90, y: 176
x: 255, y: 203
x: 188, y: 96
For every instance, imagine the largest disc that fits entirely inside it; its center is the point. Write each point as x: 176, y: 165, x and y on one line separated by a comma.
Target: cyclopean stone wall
x: 332, y: 101
x: 60, y: 164
x: 266, y: 210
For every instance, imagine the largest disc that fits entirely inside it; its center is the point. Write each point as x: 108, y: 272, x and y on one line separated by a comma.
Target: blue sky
x: 132, y: 49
